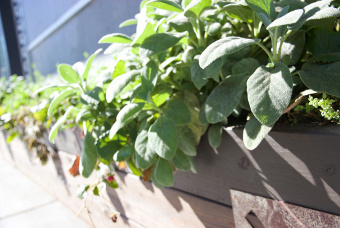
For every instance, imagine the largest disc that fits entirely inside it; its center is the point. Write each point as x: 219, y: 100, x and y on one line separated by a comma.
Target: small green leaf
x: 57, y: 125
x: 96, y: 191
x: 125, y: 116
x: 143, y: 32
x: 187, y: 141
x: 163, y: 137
x: 58, y: 99
x: 127, y: 23
x: 115, y: 38
x: 200, y: 76
x: 123, y: 153
x: 239, y: 11
x: 215, y: 135
x: 136, y: 171
x: 224, y: 47
x: 165, y: 5
x: 68, y: 74
x: 106, y: 150
x: 288, y: 19
x: 160, y: 94
x: 88, y: 156
x: 181, y: 161
x: 159, y: 42
x: 89, y: 63
x: 119, y: 83
x: 118, y: 69
x: 254, y: 132
x: 11, y: 137
x: 149, y: 76
x: 322, y: 77
x: 269, y: 92
x: 144, y: 154
x: 177, y: 111
x: 163, y: 172
x: 266, y: 7
x: 195, y: 8
x: 224, y: 98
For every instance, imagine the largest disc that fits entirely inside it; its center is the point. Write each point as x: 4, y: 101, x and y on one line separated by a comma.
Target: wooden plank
x: 166, y: 207
x: 302, y: 169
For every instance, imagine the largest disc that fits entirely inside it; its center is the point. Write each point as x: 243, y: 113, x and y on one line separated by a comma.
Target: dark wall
x: 82, y: 33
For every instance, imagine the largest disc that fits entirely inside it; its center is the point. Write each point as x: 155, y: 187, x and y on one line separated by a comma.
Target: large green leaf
x: 195, y: 8
x: 265, y: 7
x: 88, y: 156
x: 57, y: 125
x: 160, y: 94
x: 200, y: 76
x: 224, y: 47
x: 149, y: 76
x: 106, y: 150
x: 322, y: 76
x: 159, y: 42
x: 178, y: 111
x: 143, y: 33
x: 254, y: 132
x: 123, y: 153
x: 288, y: 19
x: 269, y: 92
x: 322, y: 41
x: 68, y: 74
x: 89, y: 64
x: 187, y: 141
x: 165, y: 5
x: 163, y: 137
x: 245, y: 66
x: 119, y: 83
x: 181, y: 161
x: 224, y: 98
x: 115, y: 38
x: 58, y: 99
x: 144, y: 154
x: 125, y: 116
x: 215, y: 135
x: 163, y: 172
x: 239, y: 11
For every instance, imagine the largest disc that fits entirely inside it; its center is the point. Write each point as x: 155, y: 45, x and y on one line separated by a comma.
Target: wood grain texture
x: 295, y: 167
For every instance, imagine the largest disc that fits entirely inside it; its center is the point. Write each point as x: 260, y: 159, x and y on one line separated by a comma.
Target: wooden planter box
x: 297, y: 165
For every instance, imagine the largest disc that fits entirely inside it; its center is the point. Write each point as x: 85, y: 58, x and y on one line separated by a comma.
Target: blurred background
x: 44, y: 33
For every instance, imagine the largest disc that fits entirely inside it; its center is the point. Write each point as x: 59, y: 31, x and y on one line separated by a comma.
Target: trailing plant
x: 190, y: 66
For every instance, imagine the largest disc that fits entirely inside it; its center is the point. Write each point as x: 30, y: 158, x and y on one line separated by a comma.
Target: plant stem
x: 274, y: 44
x: 283, y: 40
x: 267, y: 52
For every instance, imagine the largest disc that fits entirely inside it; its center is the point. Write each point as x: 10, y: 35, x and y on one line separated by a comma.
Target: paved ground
x: 23, y: 204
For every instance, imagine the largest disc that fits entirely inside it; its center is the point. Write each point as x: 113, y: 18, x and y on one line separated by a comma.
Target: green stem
x: 267, y: 52
x: 274, y: 44
x: 283, y: 40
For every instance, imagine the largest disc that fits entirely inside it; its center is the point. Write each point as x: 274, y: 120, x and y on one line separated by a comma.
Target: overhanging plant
x: 191, y: 65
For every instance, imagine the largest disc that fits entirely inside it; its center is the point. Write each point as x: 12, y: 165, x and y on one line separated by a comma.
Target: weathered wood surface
x: 302, y: 169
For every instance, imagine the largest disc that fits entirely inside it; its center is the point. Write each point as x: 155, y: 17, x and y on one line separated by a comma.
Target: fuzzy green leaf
x: 144, y: 154
x: 68, y: 74
x: 200, y: 76
x: 149, y: 76
x: 177, y: 111
x: 269, y: 92
x: 254, y: 132
x: 115, y: 38
x: 187, y: 141
x: 288, y: 19
x: 123, y: 153
x: 163, y: 172
x: 106, y: 150
x: 125, y: 116
x: 215, y: 135
x: 143, y: 33
x: 163, y: 137
x: 127, y: 23
x: 224, y: 98
x: 57, y: 125
x: 89, y: 63
x: 181, y: 161
x: 165, y: 5
x: 224, y: 47
x: 88, y: 156
x: 266, y: 7
x: 195, y: 8
x: 119, y: 83
x: 58, y: 99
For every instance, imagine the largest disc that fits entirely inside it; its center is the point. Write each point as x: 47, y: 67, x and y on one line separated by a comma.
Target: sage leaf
x: 125, y: 116
x: 143, y: 33
x: 266, y: 7
x: 115, y: 38
x: 144, y: 154
x: 106, y: 150
x: 68, y: 74
x: 119, y: 83
x: 215, y: 135
x: 269, y: 92
x: 195, y: 8
x: 153, y: 178
x: 119, y: 69
x: 58, y: 99
x: 187, y: 140
x: 294, y: 46
x: 89, y: 64
x: 159, y: 42
x: 123, y: 153
x: 165, y: 5
x: 127, y: 23
x: 181, y: 161
x: 163, y: 172
x: 322, y: 41
x: 200, y: 76
x: 322, y: 77
x: 224, y: 98
x: 177, y: 111
x: 88, y: 156
x: 288, y: 19
x: 160, y: 94
x: 163, y: 137
x: 254, y: 132
x: 149, y: 76
x: 57, y: 125
x: 239, y: 11
x: 245, y: 66
x: 224, y: 47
